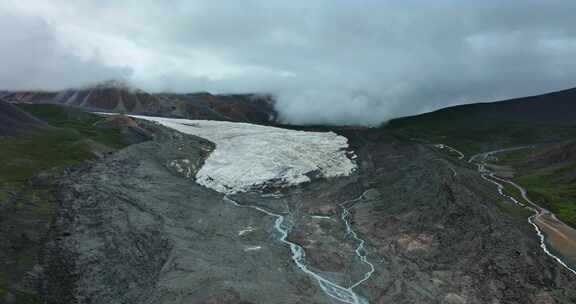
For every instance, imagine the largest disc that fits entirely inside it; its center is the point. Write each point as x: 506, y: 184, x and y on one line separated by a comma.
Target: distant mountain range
x: 119, y: 98
x: 556, y: 108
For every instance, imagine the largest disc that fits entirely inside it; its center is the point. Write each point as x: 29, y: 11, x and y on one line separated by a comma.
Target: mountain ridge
x: 118, y: 97
x: 519, y: 108
x: 136, y: 226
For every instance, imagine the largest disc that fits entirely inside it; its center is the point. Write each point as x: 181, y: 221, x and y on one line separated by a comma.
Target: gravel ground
x: 136, y: 228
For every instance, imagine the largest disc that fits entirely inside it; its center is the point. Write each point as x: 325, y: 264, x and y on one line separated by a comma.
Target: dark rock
x: 135, y: 228
x: 13, y: 120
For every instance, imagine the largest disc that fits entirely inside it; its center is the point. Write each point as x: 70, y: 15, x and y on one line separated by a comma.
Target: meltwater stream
x: 481, y: 161
x: 330, y: 288
x: 490, y: 176
x: 360, y: 250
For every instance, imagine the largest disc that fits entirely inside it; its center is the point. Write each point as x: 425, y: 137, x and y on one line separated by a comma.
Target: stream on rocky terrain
x: 332, y: 289
x: 136, y: 227
x: 481, y: 160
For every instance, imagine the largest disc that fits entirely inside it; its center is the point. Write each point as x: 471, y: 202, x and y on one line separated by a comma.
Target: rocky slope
x: 109, y: 96
x: 134, y: 228
x: 30, y: 159
x: 252, y: 108
x: 14, y: 120
x: 117, y: 97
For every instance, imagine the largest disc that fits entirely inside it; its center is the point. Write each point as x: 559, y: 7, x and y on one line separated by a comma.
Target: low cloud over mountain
x: 334, y: 62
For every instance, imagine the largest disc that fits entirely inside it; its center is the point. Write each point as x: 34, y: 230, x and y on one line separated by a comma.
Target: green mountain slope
x: 476, y: 127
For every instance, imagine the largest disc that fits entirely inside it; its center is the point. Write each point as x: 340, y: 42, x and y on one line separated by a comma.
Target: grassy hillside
x: 66, y: 142
x: 479, y: 127
x: 548, y: 191
x: 84, y: 123
x: 551, y: 182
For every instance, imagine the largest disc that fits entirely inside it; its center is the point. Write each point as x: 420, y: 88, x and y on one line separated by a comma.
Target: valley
x: 288, y: 152
x: 156, y: 209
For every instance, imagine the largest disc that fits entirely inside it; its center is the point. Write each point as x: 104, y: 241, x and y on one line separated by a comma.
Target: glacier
x: 249, y: 156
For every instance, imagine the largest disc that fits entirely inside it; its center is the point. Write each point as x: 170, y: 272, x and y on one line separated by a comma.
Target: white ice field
x: 249, y: 156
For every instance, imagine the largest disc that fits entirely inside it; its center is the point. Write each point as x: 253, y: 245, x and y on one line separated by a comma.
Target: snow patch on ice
x: 249, y: 156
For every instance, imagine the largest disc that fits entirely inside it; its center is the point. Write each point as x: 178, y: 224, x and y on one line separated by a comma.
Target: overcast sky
x: 328, y: 61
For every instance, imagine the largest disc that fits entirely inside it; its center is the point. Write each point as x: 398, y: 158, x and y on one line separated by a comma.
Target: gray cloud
x: 31, y: 57
x: 328, y: 61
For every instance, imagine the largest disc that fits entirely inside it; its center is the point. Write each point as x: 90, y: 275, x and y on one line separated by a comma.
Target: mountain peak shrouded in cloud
x: 328, y: 62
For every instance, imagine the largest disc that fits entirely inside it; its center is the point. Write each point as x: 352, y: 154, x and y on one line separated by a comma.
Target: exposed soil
x: 560, y: 236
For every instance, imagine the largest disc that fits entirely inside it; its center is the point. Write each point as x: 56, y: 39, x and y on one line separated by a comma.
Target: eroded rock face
x: 108, y: 96
x: 117, y: 97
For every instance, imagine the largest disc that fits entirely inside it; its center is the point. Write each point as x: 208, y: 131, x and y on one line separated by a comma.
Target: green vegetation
x: 61, y: 145
x: 3, y: 195
x: 514, y: 192
x: 514, y: 209
x: 80, y: 122
x: 553, y: 193
x: 474, y: 128
x: 552, y: 186
x: 515, y: 156
x: 3, y: 283
x: 39, y: 150
x: 510, y: 207
x: 471, y: 138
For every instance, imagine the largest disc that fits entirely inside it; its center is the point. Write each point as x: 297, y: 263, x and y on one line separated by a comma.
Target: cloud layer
x: 328, y: 61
